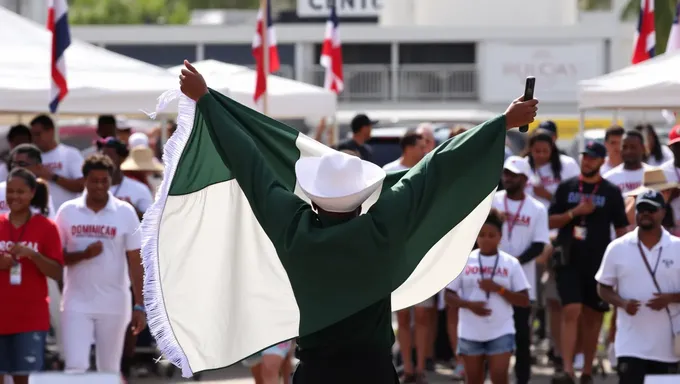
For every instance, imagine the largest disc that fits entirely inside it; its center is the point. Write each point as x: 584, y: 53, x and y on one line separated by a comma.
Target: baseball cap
x: 113, y: 143
x: 650, y: 197
x: 361, y: 120
x: 674, y: 135
x: 138, y: 139
x: 518, y: 165
x: 595, y: 149
x: 549, y: 125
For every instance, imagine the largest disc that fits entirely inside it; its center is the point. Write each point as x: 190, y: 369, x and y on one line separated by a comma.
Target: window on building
x: 437, y: 53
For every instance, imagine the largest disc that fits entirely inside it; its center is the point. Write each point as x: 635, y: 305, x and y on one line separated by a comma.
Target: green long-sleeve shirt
x: 342, y: 274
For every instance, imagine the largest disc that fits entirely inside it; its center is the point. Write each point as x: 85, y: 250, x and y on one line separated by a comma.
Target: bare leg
x: 474, y: 369
x: 256, y: 371
x: 570, y: 321
x: 271, y: 368
x: 434, y: 321
x: 452, y: 327
x: 422, y: 336
x: 499, y: 366
x: 590, y: 333
x: 405, y: 341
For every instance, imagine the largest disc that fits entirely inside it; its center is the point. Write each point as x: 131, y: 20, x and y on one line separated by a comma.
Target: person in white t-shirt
x: 123, y: 187
x: 640, y: 276
x: 672, y: 171
x: 486, y: 291
x: 613, y: 137
x: 629, y: 175
x: 656, y: 153
x: 525, y: 236
x: 412, y: 151
x: 61, y: 164
x: 102, y: 242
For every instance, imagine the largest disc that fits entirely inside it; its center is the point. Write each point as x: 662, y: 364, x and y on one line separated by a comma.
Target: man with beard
x: 583, y: 209
x: 639, y: 276
x: 628, y: 176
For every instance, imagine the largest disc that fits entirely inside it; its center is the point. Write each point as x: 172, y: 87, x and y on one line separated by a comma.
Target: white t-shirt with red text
x: 627, y: 180
x: 133, y: 192
x: 66, y: 162
x: 544, y: 176
x: 529, y: 225
x: 508, y: 274
x: 100, y: 285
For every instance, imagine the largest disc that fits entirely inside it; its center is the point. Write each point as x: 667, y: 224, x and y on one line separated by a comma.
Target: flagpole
x: 264, y: 5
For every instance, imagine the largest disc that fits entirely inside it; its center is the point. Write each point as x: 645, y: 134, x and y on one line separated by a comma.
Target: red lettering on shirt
x: 92, y: 230
x: 522, y: 220
x: 629, y: 185
x: 487, y: 271
x: 548, y: 180
x: 53, y: 166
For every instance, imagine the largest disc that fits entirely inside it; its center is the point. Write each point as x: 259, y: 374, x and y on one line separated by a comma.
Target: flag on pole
x: 258, y: 50
x: 57, y: 23
x: 645, y: 36
x: 674, y: 37
x: 234, y: 263
x: 331, y: 54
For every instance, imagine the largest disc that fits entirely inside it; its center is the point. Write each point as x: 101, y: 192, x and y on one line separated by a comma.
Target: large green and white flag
x: 218, y: 289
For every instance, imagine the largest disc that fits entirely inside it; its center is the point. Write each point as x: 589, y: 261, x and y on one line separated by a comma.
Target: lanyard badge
x: 15, y: 274
x: 580, y: 230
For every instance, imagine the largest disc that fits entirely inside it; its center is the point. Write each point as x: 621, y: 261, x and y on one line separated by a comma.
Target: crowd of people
x: 70, y: 248
x: 555, y: 250
x: 564, y: 243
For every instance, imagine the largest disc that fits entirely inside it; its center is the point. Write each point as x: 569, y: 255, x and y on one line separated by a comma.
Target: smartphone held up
x: 528, y: 95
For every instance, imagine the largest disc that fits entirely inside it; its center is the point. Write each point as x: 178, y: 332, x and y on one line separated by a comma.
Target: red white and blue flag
x: 258, y: 51
x: 645, y: 36
x: 57, y: 23
x: 674, y: 37
x: 331, y: 54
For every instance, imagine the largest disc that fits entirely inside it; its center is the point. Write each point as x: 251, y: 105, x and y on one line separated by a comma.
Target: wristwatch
x: 55, y: 177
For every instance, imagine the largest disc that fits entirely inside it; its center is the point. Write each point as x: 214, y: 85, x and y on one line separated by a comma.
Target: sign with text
x: 346, y: 8
x: 557, y: 67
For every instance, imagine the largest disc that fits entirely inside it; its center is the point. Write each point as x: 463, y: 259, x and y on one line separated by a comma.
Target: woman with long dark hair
x: 657, y: 154
x: 30, y: 251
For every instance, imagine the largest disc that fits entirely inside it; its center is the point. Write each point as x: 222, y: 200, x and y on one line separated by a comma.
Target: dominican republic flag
x: 331, y: 54
x: 258, y: 51
x: 57, y: 23
x: 645, y: 36
x: 233, y: 263
x: 674, y: 37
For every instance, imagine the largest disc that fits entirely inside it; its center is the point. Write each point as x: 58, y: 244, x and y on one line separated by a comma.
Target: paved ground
x: 240, y: 375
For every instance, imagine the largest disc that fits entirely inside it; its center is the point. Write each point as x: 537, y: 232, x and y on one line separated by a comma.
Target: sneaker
x: 430, y: 365
x: 458, y: 372
x: 579, y: 361
x: 586, y: 379
x: 563, y: 378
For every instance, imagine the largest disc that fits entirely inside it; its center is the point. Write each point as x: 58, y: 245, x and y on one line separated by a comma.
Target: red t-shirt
x: 25, y: 307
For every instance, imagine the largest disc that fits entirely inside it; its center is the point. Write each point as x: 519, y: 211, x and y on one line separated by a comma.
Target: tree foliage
x: 145, y: 11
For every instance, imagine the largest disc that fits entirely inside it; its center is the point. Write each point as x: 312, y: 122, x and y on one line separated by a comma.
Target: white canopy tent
x: 286, y: 98
x: 99, y: 81
x: 651, y: 85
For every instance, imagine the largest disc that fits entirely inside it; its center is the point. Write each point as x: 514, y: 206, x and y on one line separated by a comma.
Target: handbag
x: 652, y: 273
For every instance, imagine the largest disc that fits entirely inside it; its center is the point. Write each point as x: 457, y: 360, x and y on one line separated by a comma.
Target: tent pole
x: 264, y: 5
x: 581, y: 129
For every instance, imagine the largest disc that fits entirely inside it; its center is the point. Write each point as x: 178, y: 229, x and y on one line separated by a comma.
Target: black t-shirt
x: 364, y: 150
x: 609, y: 210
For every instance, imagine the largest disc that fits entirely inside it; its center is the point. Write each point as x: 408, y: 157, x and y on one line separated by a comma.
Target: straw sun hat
x: 141, y: 158
x: 654, y: 179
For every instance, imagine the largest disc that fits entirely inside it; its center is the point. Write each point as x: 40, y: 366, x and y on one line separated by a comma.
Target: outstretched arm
x: 273, y: 205
x: 451, y: 180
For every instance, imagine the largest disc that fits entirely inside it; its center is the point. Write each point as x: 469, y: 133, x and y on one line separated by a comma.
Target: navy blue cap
x: 595, y: 149
x: 650, y: 197
x: 549, y: 125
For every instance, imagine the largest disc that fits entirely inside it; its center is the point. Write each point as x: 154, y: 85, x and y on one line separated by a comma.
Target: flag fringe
x: 157, y: 318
